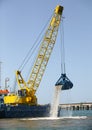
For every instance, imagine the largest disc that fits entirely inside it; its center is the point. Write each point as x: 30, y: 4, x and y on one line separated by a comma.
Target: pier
x: 77, y: 106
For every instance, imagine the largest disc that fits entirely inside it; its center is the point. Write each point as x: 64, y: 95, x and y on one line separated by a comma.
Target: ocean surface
x: 69, y: 120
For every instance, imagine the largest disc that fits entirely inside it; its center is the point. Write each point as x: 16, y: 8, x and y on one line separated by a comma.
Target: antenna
x: 6, y: 82
x: 0, y: 74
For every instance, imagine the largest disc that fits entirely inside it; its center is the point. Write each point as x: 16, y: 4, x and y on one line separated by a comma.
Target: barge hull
x: 24, y: 111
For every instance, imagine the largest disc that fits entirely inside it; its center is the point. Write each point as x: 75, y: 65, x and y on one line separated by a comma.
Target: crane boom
x: 45, y: 49
x: 26, y: 94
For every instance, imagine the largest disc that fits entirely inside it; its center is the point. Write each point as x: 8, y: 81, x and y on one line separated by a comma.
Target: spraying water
x: 55, y: 102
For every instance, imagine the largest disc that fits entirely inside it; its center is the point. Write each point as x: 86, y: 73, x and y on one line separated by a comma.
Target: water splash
x: 55, y: 102
x: 58, y: 118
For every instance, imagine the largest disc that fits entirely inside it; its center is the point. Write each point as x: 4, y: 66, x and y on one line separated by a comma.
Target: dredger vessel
x: 24, y: 103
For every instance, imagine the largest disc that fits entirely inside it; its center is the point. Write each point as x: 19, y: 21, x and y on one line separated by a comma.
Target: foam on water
x: 57, y: 118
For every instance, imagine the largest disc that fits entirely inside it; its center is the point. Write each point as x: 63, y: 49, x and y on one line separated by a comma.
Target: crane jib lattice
x: 45, y: 50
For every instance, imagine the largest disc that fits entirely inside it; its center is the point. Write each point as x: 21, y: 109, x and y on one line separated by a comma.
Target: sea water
x: 81, y: 120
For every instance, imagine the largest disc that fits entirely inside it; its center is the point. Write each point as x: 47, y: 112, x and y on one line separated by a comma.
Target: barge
x: 24, y: 111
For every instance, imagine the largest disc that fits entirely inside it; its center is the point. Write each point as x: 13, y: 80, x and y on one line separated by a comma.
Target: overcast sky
x: 21, y: 21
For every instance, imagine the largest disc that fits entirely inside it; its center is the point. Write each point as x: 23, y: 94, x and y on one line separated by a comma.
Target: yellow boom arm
x: 45, y: 49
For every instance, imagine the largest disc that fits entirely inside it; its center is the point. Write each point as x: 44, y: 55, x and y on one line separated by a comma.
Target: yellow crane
x: 27, y: 91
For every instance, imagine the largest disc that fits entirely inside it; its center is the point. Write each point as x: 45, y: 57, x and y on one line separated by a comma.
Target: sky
x: 21, y: 21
